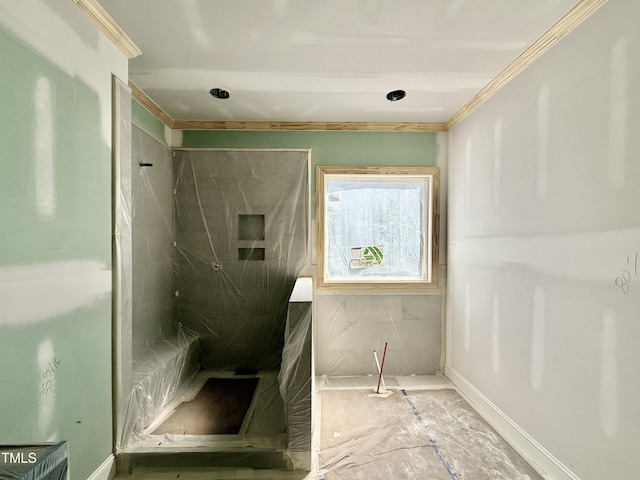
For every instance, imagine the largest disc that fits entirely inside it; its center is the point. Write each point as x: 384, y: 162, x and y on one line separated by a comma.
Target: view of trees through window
x: 377, y: 227
x: 366, y: 217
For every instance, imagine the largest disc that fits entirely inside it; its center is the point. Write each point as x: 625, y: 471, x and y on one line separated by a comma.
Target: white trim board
x: 533, y: 452
x: 106, y: 471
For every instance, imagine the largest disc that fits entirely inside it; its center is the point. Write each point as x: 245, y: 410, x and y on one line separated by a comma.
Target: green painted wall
x: 336, y: 148
x: 146, y: 120
x: 55, y: 260
x: 329, y: 147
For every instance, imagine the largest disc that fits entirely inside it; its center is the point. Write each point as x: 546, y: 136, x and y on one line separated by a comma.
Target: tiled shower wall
x: 241, y: 236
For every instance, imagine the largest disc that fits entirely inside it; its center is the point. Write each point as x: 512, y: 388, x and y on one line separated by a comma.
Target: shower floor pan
x: 220, y: 407
x: 221, y: 420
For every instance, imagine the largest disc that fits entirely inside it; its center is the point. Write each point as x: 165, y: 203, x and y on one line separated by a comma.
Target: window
x: 378, y: 227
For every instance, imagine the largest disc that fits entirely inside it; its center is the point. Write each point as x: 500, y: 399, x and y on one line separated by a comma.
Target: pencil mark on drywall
x: 538, y: 332
x: 44, y: 155
x: 628, y: 274
x: 48, y: 376
x: 609, y: 375
x: 542, y: 171
x: 618, y: 116
x: 48, y: 367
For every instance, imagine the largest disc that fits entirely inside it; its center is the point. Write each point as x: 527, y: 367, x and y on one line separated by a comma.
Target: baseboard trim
x: 540, y: 459
x: 106, y: 471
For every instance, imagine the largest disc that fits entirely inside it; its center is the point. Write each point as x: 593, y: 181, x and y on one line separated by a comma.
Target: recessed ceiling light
x: 396, y: 95
x: 219, y: 93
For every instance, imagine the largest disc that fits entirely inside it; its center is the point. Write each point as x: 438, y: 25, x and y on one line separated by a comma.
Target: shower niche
x: 251, y: 237
x: 219, y: 238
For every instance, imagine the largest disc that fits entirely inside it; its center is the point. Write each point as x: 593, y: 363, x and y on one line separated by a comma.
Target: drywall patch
x: 609, y: 375
x: 497, y: 163
x: 538, y: 338
x: 579, y: 255
x: 467, y: 316
x: 60, y: 287
x: 618, y: 116
x: 44, y: 150
x: 495, y: 334
x: 542, y: 170
x: 48, y: 31
x: 467, y: 178
x: 200, y: 31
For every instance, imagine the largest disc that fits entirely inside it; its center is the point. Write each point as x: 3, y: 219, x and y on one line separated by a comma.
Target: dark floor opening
x: 219, y: 408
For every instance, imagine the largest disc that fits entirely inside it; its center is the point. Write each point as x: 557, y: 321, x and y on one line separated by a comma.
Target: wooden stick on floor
x: 384, y: 354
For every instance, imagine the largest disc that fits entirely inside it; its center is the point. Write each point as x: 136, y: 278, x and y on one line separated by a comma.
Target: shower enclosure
x: 218, y: 238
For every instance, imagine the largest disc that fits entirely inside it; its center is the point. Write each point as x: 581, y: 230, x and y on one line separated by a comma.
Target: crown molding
x: 150, y: 105
x: 560, y: 29
x: 309, y: 126
x: 109, y: 27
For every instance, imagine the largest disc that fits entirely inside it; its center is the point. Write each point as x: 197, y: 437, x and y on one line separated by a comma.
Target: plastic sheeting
x: 241, y: 238
x: 415, y: 433
x: 351, y: 327
x: 157, y: 380
x: 34, y: 462
x: 264, y: 426
x: 219, y: 238
x: 157, y: 354
x: 295, y: 382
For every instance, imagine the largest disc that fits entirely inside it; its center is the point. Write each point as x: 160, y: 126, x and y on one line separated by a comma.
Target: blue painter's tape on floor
x: 444, y: 461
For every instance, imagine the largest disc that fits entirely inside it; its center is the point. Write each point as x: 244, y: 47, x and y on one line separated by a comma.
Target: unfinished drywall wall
x: 55, y: 225
x: 349, y: 327
x: 544, y: 239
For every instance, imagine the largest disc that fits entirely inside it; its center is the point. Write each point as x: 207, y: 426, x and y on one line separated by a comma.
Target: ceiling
x: 325, y: 61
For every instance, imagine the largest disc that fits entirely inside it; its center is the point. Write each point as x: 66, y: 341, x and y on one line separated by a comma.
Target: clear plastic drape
x: 219, y: 239
x: 241, y: 241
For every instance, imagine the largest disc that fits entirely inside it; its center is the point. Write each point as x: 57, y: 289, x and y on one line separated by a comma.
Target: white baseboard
x: 540, y: 459
x: 106, y: 471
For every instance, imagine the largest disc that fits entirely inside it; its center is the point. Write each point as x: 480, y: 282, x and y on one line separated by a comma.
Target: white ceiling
x: 325, y: 61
